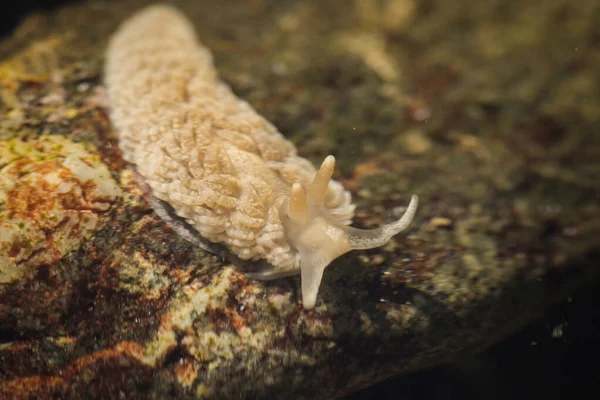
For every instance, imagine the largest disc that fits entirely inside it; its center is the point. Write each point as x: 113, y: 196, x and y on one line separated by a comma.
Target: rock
x: 99, y: 298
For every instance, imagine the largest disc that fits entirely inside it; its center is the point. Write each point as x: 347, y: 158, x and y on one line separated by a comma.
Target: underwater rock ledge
x: 492, y: 127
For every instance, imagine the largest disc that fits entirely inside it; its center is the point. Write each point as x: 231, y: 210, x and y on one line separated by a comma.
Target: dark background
x: 12, y: 11
x: 532, y: 364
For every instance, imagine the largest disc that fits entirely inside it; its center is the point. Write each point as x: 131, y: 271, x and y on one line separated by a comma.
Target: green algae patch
x: 53, y: 196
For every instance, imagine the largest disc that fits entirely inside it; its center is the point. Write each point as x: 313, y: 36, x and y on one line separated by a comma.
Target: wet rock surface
x: 488, y: 111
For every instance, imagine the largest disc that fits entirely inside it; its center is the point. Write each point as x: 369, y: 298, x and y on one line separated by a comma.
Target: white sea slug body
x: 222, y: 167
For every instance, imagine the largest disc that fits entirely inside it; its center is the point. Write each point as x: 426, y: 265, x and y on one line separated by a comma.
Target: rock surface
x: 488, y: 111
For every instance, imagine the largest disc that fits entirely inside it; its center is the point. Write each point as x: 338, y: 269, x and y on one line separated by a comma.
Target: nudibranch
x: 224, y: 169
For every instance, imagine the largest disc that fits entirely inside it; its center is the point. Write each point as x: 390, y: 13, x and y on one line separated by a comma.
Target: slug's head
x: 319, y: 238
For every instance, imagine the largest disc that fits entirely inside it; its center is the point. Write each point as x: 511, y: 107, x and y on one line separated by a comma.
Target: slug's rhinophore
x: 222, y: 167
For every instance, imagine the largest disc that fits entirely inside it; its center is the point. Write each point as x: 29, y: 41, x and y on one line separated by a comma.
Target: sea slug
x: 222, y: 167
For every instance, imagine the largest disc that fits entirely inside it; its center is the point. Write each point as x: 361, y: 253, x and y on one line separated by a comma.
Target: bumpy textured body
x: 209, y: 154
x: 221, y: 166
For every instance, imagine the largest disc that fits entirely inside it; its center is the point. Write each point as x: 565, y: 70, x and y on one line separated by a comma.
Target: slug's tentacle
x: 313, y: 266
x: 319, y: 238
x: 318, y: 187
x: 298, y: 208
x: 361, y: 239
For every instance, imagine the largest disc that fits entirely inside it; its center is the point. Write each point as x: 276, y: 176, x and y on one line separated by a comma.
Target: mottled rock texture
x: 489, y: 111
